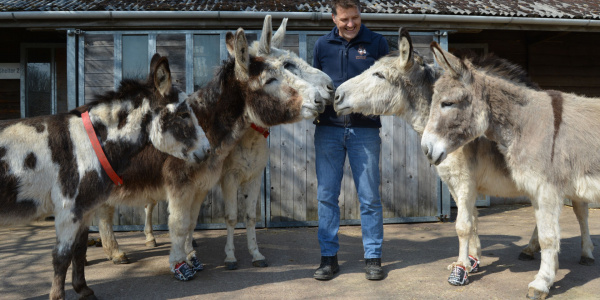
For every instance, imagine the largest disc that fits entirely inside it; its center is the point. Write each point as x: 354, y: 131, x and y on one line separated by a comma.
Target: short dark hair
x: 344, y: 4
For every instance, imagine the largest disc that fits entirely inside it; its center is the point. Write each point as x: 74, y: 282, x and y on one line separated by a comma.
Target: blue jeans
x: 362, y: 145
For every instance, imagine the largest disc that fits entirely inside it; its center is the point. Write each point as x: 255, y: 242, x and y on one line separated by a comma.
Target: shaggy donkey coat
x: 402, y: 85
x: 48, y: 165
x: 247, y: 89
x: 548, y: 139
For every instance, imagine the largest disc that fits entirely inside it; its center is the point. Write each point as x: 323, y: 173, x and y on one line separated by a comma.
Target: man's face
x: 347, y: 21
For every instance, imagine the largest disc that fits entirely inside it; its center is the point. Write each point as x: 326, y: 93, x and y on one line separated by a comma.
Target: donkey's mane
x: 499, y: 67
x: 131, y: 90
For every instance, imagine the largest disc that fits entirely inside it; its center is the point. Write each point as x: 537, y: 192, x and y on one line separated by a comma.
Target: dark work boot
x: 329, y: 266
x: 373, y: 269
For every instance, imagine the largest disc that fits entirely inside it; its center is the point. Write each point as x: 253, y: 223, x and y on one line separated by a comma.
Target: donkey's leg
x: 192, y: 257
x: 547, y: 206
x: 466, y: 195
x: 229, y: 187
x: 474, y: 242
x: 79, y: 252
x: 587, y: 246
x: 180, y: 203
x: 62, y: 254
x: 251, y: 190
x: 532, y: 248
x: 150, y: 240
x: 109, y: 243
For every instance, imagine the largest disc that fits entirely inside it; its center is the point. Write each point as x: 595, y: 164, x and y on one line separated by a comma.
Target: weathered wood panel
x: 99, y: 65
x: 568, y: 62
x: 173, y: 46
x: 408, y: 182
x: 10, y: 99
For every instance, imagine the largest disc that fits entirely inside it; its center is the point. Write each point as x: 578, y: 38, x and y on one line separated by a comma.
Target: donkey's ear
x: 279, y: 35
x: 154, y: 61
x: 449, y: 62
x: 264, y: 46
x: 162, y: 76
x: 230, y: 43
x: 242, y: 58
x: 405, y: 48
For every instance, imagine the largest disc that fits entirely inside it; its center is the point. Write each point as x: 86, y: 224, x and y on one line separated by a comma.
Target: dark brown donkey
x: 247, y: 89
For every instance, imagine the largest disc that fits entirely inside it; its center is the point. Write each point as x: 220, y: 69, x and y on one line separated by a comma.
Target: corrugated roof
x: 568, y: 9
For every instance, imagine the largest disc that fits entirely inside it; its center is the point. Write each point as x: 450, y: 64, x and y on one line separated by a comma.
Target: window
x: 135, y: 57
x: 45, y: 84
x: 206, y: 57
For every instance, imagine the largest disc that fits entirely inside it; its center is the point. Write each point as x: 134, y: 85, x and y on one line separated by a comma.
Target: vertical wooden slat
x: 311, y: 176
x: 218, y: 205
x: 163, y: 214
x: 275, y: 171
x: 424, y: 180
x: 287, y: 183
x: 399, y: 164
x: 412, y: 172
x: 299, y: 167
x: 387, y: 166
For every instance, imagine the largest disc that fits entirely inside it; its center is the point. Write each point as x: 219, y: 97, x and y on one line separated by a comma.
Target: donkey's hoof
x: 525, y: 256
x: 151, y: 243
x: 232, y: 265
x: 260, y: 263
x: 536, y: 295
x: 88, y: 297
x: 586, y: 261
x: 121, y: 260
x: 194, y: 244
x: 183, y: 271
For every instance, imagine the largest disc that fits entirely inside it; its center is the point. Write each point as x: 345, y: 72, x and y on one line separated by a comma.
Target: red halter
x: 263, y: 131
x: 87, y: 123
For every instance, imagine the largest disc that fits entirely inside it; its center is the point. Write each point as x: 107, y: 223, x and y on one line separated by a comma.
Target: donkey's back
x: 39, y: 159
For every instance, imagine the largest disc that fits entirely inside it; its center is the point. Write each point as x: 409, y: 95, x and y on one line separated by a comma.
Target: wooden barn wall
x: 99, y: 77
x: 564, y: 61
x: 568, y: 62
x: 409, y: 184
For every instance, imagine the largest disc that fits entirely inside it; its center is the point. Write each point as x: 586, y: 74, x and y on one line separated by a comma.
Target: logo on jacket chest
x: 362, y: 52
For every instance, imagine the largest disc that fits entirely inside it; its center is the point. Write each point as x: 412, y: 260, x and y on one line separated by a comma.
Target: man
x: 348, y: 50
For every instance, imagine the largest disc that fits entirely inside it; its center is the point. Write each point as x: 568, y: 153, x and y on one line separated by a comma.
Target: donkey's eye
x: 378, y: 74
x: 184, y: 115
x: 270, y: 80
x: 447, y: 104
x: 289, y: 65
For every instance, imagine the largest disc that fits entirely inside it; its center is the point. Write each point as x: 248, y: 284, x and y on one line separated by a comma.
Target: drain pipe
x: 314, y: 16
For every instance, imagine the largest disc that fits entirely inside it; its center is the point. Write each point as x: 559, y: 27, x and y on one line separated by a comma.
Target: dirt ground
x: 415, y: 257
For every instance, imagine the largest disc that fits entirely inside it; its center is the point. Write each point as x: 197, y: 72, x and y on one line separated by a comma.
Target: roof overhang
x: 297, y: 20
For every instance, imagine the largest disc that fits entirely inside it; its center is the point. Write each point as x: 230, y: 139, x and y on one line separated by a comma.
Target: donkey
x: 548, y: 140
x: 245, y: 164
x: 247, y: 90
x: 49, y: 165
x: 402, y: 84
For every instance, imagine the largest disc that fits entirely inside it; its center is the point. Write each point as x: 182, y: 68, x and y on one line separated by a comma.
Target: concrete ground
x: 415, y: 259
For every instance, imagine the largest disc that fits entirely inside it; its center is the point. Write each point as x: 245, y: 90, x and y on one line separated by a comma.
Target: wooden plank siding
x: 10, y: 99
x: 99, y: 64
x: 409, y: 185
